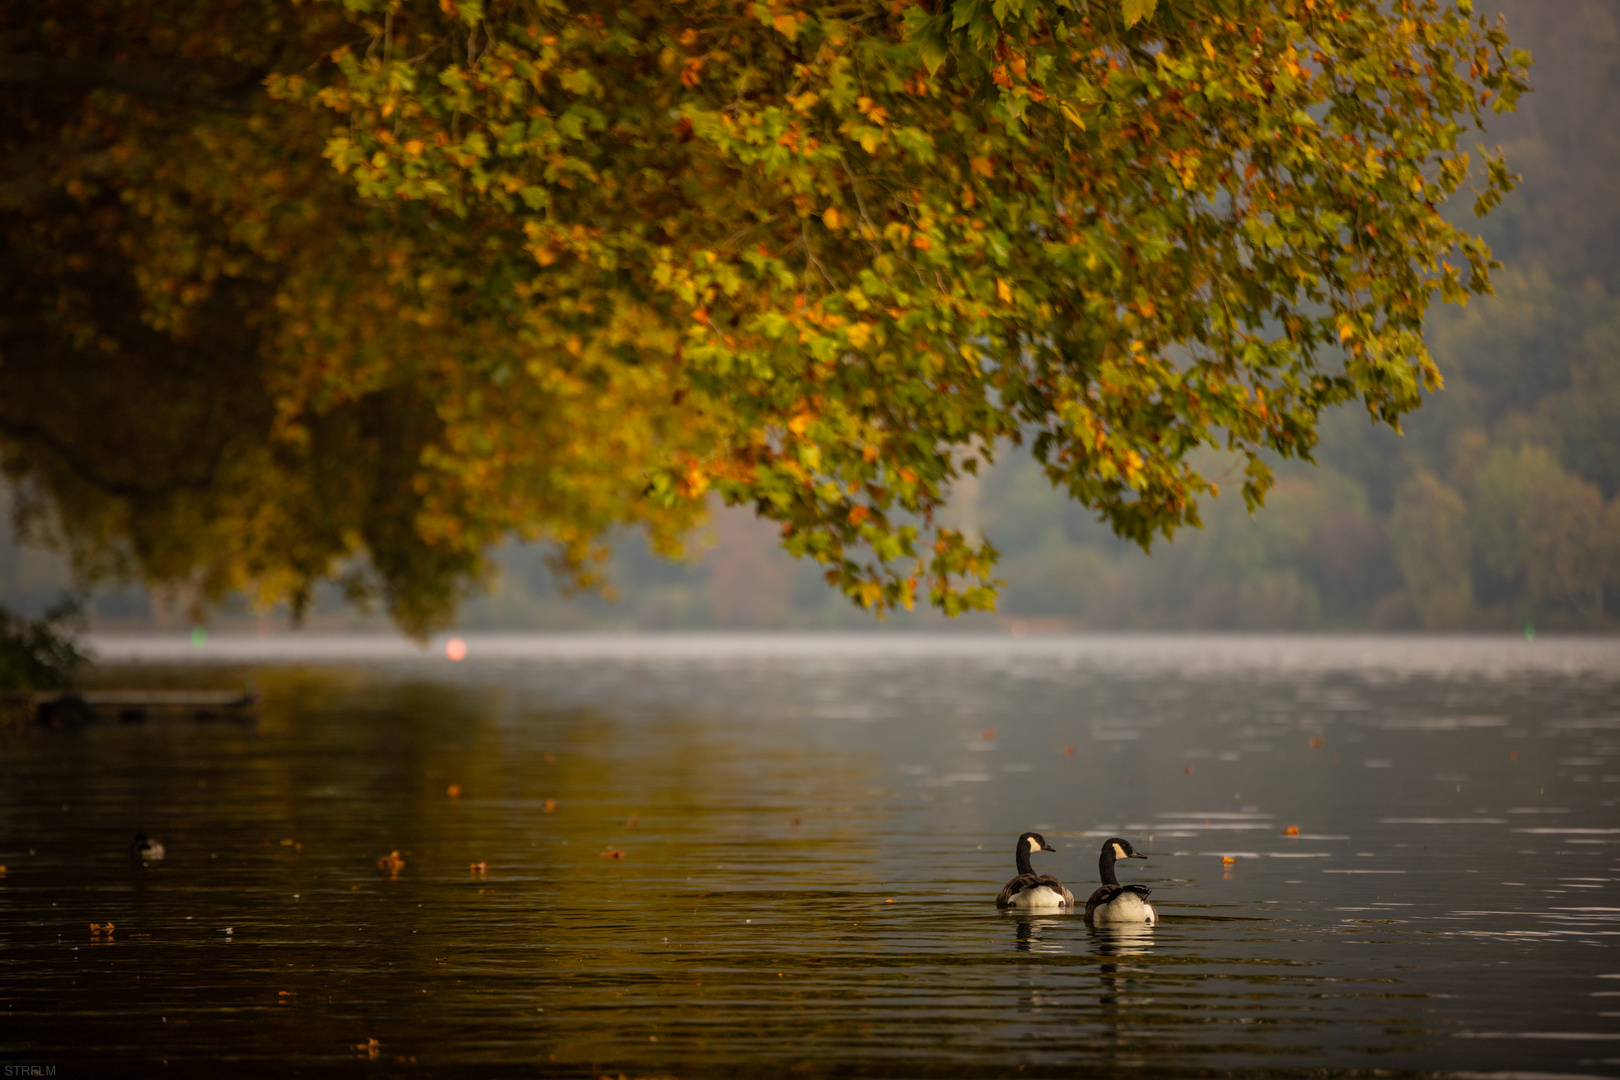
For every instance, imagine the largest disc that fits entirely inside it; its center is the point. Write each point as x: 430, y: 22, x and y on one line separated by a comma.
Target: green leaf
x: 1135, y: 11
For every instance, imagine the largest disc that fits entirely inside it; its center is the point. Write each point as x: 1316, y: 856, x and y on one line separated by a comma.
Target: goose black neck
x: 1105, y: 866
x: 1023, y: 858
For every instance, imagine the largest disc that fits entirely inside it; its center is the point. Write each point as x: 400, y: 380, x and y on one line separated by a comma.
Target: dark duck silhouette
x: 1113, y: 902
x: 1027, y: 891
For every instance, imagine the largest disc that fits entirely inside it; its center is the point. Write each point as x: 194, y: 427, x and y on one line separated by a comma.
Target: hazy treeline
x: 1499, y: 508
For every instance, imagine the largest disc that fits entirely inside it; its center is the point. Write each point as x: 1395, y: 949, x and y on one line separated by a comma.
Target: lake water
x: 731, y: 856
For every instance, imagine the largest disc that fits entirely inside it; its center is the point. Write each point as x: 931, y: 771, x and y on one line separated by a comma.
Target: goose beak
x: 1048, y: 847
x: 1137, y: 855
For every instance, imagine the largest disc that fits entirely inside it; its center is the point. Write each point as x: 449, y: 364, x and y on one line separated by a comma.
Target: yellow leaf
x: 1004, y: 291
x: 1135, y: 11
x: 831, y: 217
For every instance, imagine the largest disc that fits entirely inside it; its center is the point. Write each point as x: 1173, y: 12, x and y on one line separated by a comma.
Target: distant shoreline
x: 1415, y: 653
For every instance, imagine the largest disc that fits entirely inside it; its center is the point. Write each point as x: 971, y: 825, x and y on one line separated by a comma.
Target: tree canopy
x: 309, y: 292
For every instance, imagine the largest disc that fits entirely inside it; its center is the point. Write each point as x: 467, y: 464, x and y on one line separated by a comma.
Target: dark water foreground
x: 812, y: 832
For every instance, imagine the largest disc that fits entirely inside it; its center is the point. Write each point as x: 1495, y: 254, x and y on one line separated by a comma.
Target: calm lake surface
x: 812, y: 832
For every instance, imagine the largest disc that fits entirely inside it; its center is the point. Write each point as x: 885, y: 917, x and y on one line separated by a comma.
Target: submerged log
x: 80, y: 706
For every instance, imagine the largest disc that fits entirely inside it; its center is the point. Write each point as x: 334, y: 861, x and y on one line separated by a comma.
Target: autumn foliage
x: 354, y: 291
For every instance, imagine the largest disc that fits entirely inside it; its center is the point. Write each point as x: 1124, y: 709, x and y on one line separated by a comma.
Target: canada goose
x: 146, y: 850
x: 1113, y: 902
x: 1028, y: 891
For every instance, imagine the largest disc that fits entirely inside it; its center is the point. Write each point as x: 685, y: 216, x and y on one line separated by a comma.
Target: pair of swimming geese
x: 1112, y: 903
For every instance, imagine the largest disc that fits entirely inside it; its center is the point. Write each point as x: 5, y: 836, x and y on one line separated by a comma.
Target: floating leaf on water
x: 454, y: 791
x: 1227, y: 860
x: 633, y: 822
x: 1317, y: 742
x: 1189, y: 770
x: 1292, y: 830
x: 478, y: 869
x: 795, y: 821
x: 391, y: 864
x: 551, y: 804
x: 989, y: 734
x: 612, y: 853
x: 1069, y: 751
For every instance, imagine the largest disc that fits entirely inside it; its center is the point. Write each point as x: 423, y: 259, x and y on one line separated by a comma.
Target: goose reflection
x: 1031, y: 936
x: 1122, y: 939
x: 1122, y: 985
x: 1039, y: 982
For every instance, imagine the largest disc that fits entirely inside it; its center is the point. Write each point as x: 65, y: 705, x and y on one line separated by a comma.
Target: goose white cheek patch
x: 1119, y: 852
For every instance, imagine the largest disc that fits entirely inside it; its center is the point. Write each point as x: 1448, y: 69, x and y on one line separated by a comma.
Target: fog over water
x: 729, y: 855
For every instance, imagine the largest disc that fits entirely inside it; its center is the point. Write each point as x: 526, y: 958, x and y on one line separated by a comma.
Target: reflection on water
x: 727, y: 856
